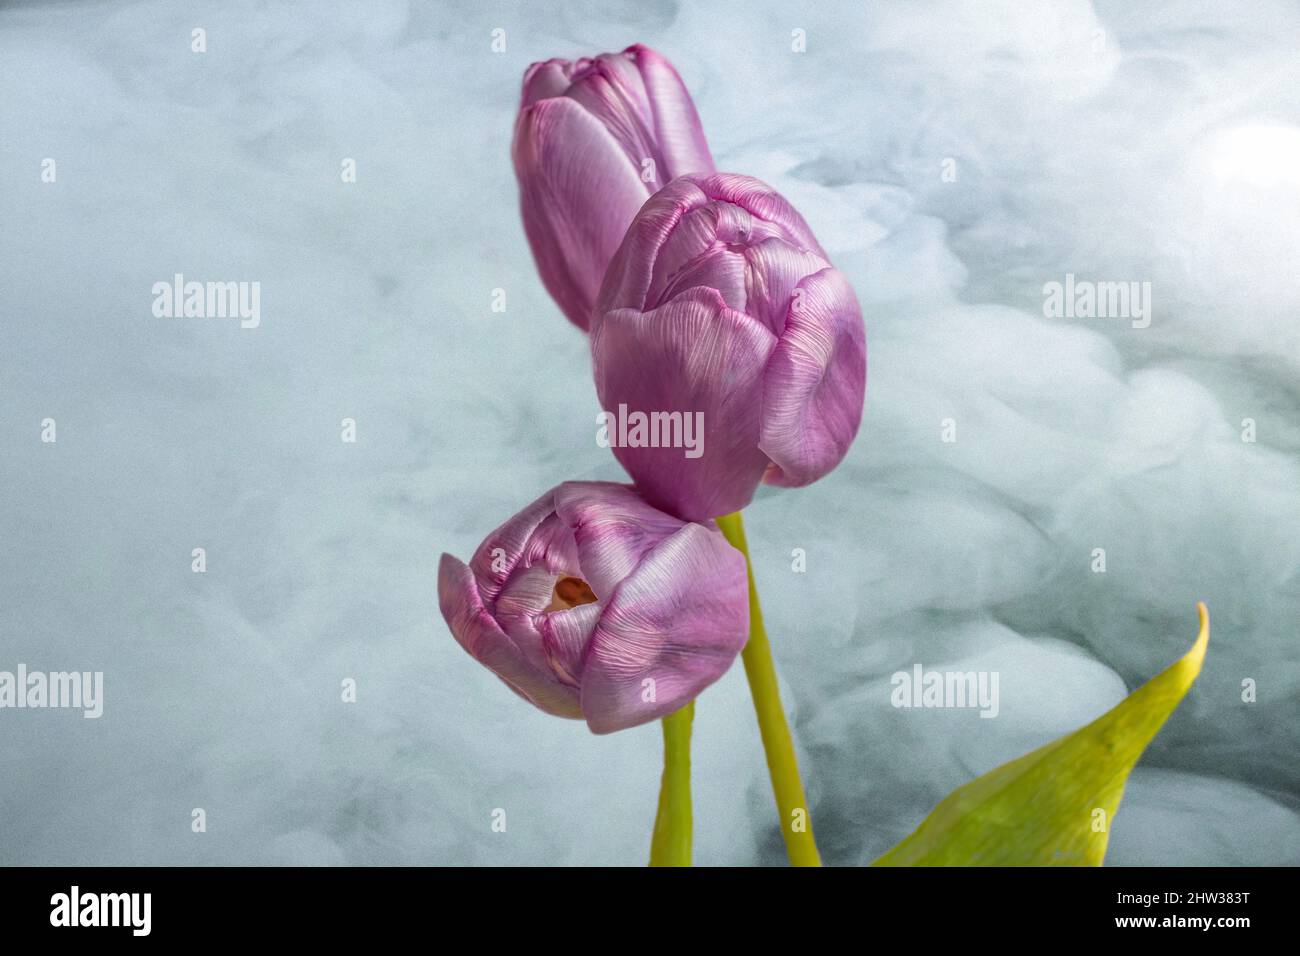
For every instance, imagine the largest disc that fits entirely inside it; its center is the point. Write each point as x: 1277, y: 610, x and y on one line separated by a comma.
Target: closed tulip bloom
x: 721, y: 304
x: 591, y: 604
x: 593, y: 141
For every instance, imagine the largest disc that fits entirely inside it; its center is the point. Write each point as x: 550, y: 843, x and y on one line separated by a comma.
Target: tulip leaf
x: 1055, y: 805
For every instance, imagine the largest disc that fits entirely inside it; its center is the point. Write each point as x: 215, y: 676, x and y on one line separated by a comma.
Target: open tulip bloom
x: 710, y: 302
x: 591, y: 604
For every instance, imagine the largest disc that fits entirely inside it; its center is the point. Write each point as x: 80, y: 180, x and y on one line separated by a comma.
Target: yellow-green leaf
x: 1053, y: 806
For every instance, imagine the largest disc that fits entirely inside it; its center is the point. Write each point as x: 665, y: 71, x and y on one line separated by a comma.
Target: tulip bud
x: 720, y: 304
x: 593, y: 141
x: 591, y: 604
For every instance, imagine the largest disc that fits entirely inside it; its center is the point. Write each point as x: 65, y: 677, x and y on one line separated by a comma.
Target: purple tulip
x: 721, y: 305
x: 593, y: 141
x: 589, y: 603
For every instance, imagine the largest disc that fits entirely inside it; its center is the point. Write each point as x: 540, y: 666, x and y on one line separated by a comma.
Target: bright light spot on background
x: 1235, y: 221
x: 1243, y: 192
x: 1257, y: 155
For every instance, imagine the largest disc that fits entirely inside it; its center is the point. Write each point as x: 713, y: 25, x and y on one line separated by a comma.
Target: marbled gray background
x: 1112, y: 155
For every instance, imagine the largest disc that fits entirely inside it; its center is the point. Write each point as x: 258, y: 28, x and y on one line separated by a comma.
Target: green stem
x: 671, y: 843
x: 791, y: 804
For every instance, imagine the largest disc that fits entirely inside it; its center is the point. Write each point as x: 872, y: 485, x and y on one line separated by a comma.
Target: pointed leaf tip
x: 1055, y: 805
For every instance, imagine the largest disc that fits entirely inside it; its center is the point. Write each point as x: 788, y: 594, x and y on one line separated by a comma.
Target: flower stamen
x: 571, y: 592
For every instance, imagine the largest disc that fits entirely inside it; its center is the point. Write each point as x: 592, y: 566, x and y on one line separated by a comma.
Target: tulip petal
x: 766, y: 203
x: 711, y: 247
x: 522, y: 603
x: 774, y: 270
x: 544, y: 80
x: 679, y: 230
x: 502, y: 550
x: 677, y: 125
x: 564, y: 640
x: 614, y: 529
x: 720, y: 268
x: 815, y: 382
x: 678, y: 622
x: 696, y: 357
x: 563, y: 158
x: 524, y: 670
x: 631, y: 270
x: 611, y: 90
x: 694, y: 235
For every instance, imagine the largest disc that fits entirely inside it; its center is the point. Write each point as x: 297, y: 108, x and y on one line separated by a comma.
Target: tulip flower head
x: 593, y: 141
x: 720, y: 303
x: 591, y: 604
